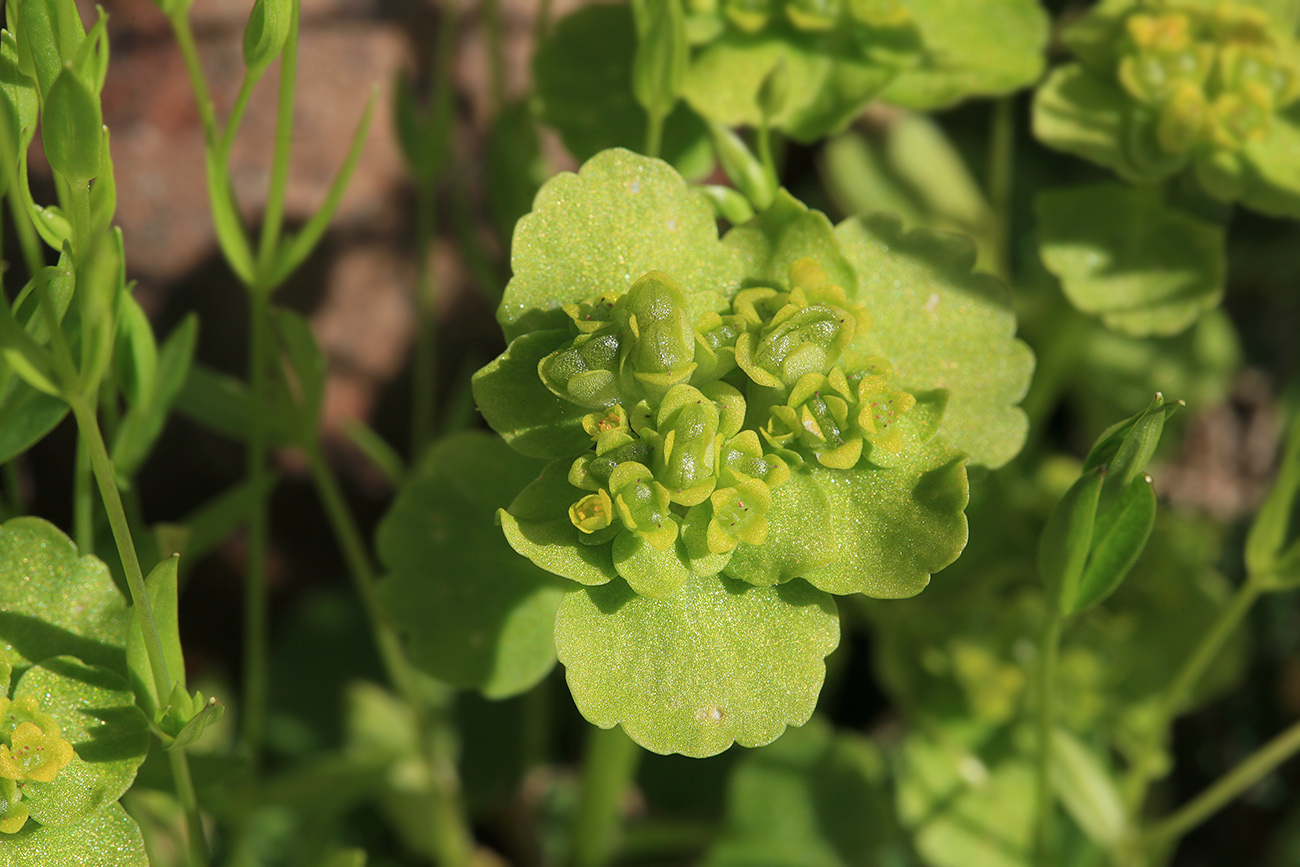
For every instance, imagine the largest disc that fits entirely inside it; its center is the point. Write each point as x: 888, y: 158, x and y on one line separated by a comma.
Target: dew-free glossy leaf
x: 943, y: 327
x: 478, y: 615
x: 719, y: 662
x: 1121, y: 253
x: 621, y: 216
x: 96, y: 710
x: 583, y: 72
x: 55, y: 603
x: 815, y: 798
x: 828, y: 80
x: 109, y: 838
x: 980, y: 48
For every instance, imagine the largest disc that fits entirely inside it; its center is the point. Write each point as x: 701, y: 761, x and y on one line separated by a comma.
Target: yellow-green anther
x: 1183, y: 120
x: 813, y: 14
x: 739, y: 515
x: 593, y: 512
x: 34, y: 753
x: 879, y: 409
x: 748, y: 15
x: 643, y: 504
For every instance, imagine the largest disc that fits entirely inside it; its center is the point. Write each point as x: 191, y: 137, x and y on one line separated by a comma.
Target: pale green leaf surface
x: 1081, y: 113
x: 964, y: 812
x: 514, y: 400
x: 537, y: 525
x: 719, y: 662
x: 786, y: 232
x: 971, y: 48
x: 599, y: 230
x: 96, y: 710
x: 896, y: 526
x: 1271, y: 177
x: 815, y: 798
x: 1123, y: 254
x: 829, y: 81
x: 790, y: 550
x: 478, y: 615
x: 109, y: 838
x: 55, y: 603
x: 584, y: 82
x: 943, y: 327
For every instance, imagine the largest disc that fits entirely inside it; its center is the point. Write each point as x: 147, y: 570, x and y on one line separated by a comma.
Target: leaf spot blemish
x: 712, y: 713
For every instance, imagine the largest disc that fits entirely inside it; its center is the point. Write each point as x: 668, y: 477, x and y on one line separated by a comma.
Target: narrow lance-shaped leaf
x: 160, y: 585
x: 1087, y: 789
x: 1119, y: 536
x: 1272, y: 547
x: 659, y: 67
x: 1064, y: 543
x: 70, y: 128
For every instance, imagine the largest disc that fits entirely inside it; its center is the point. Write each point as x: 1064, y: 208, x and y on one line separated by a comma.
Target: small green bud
x: 686, y: 445
x: 742, y: 167
x: 265, y: 34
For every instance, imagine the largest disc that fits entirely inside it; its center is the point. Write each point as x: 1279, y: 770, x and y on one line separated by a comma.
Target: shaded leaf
x: 719, y: 662
x: 1087, y: 789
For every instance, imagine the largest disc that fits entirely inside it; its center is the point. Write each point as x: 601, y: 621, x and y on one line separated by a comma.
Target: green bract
x: 723, y: 413
x: 1164, y: 86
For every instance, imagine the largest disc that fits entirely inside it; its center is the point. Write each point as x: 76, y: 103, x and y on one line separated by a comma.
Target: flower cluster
x: 693, y: 425
x: 32, y: 750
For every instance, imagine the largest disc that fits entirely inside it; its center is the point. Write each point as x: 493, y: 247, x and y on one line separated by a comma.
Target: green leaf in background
x: 583, y: 75
x: 150, y: 399
x: 96, y: 710
x: 1273, y: 539
x: 1085, y: 115
x: 516, y: 168
x: 943, y: 328
x: 109, y: 838
x: 161, y: 587
x: 965, y: 809
x: 659, y: 64
x: 478, y: 615
x: 1270, y: 181
x: 829, y: 80
x: 599, y: 230
x: 1087, y: 788
x: 305, y: 367
x: 972, y: 48
x: 718, y: 662
x: 815, y: 798
x: 55, y: 603
x: 1122, y: 253
x: 71, y: 128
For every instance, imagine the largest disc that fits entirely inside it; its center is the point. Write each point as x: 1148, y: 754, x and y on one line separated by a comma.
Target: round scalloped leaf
x: 601, y: 229
x: 790, y: 550
x: 537, y: 525
x: 1270, y: 180
x: 971, y: 48
x: 55, y: 603
x: 783, y: 234
x: 829, y: 81
x: 1081, y: 113
x: 96, y: 710
x: 719, y: 662
x: 815, y: 798
x: 528, y: 415
x: 1121, y: 253
x: 895, y: 526
x: 943, y: 327
x: 478, y: 615
x: 109, y: 838
x: 583, y: 72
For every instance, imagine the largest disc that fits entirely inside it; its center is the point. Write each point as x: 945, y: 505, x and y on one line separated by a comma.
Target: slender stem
x: 256, y: 655
x: 236, y: 117
x: 1002, y: 143
x: 1254, y: 768
x: 765, y: 153
x: 189, y: 803
x: 1195, y: 666
x: 607, y: 771
x: 1050, y: 653
x: 198, y: 81
x: 28, y: 240
x: 273, y: 218
x: 452, y: 836
x: 496, y: 56
x: 654, y: 133
x: 425, y: 379
x: 83, y: 500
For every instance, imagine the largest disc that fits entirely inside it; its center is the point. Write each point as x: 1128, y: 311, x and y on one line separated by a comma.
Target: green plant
x: 730, y: 436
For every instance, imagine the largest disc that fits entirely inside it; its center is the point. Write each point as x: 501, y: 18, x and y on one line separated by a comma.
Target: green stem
x: 425, y: 379
x: 198, y: 81
x: 235, y: 118
x: 608, y: 770
x: 1001, y: 175
x: 496, y: 55
x: 765, y: 155
x: 189, y: 803
x: 452, y: 836
x: 83, y: 500
x: 1050, y: 653
x: 1255, y: 767
x: 273, y: 217
x: 654, y: 133
x: 256, y: 655
x: 28, y: 240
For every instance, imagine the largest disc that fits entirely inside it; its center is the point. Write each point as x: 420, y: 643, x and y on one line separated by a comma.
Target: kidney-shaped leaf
x: 718, y: 662
x: 478, y: 615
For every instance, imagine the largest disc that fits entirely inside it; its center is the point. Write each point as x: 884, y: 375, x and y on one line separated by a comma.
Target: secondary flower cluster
x: 694, y: 424
x: 32, y: 750
x: 886, y: 21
